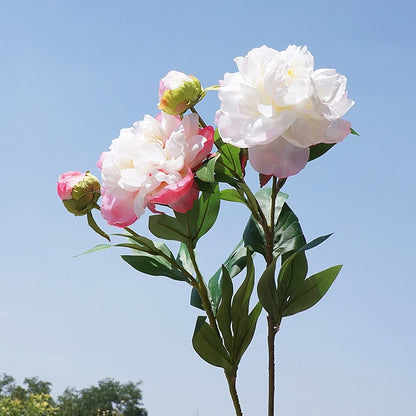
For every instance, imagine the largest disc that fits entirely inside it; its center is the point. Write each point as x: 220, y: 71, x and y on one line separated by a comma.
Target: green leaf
x: 267, y: 292
x: 153, y: 265
x: 232, y: 195
x: 184, y: 259
x: 208, y: 346
x: 249, y: 333
x: 196, y: 300
x: 284, y: 273
x: 144, y: 244
x: 241, y: 324
x: 94, y: 249
x: 198, y: 221
x: 168, y: 228
x: 354, y: 132
x: 229, y: 164
x: 209, y: 206
x: 317, y: 150
x: 224, y: 309
x: 253, y: 234
x: 254, y: 238
x: 288, y: 232
x: 206, y: 172
x: 311, y: 291
x: 95, y: 227
x: 235, y: 262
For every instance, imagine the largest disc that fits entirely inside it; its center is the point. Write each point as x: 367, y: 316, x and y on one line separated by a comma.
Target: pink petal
x: 208, y: 133
x: 185, y: 203
x: 172, y: 193
x: 66, y: 183
x: 117, y: 211
x: 279, y: 158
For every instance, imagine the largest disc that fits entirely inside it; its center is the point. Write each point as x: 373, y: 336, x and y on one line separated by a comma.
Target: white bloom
x: 277, y: 105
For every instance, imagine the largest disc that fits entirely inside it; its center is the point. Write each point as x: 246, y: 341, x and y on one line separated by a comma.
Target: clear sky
x: 73, y: 73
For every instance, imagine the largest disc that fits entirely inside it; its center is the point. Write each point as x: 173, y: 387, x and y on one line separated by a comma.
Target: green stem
x: 232, y: 379
x: 273, y: 327
x: 203, y: 293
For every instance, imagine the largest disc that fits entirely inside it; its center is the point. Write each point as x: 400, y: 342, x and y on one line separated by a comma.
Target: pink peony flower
x: 152, y: 163
x: 79, y: 191
x: 277, y: 106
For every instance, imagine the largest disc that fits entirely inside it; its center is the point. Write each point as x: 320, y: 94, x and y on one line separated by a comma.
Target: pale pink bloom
x: 277, y: 106
x: 152, y: 163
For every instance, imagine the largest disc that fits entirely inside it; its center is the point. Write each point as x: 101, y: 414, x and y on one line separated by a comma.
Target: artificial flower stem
x: 232, y: 379
x: 201, y: 122
x: 273, y: 327
x: 206, y: 304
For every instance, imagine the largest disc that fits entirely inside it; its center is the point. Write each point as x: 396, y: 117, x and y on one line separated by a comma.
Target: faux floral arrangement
x: 277, y: 113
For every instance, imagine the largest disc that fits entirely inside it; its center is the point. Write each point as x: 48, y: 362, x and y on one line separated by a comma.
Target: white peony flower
x: 277, y: 106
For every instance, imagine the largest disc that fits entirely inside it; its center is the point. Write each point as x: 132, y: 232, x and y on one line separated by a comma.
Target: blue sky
x: 74, y: 73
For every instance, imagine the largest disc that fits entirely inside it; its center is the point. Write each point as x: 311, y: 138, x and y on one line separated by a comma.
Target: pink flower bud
x: 178, y: 92
x: 79, y: 191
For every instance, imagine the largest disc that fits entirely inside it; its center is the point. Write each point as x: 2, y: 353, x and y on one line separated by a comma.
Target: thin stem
x: 272, y: 326
x: 203, y: 293
x: 232, y: 379
x: 271, y: 335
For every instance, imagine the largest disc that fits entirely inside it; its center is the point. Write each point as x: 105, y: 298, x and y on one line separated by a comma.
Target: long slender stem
x: 203, y: 293
x: 272, y: 326
x: 231, y: 379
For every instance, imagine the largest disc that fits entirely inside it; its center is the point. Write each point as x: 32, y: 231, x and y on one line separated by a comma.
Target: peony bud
x: 178, y: 92
x: 79, y: 191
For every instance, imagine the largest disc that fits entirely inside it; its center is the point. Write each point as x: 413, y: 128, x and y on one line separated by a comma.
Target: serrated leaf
x: 208, y: 346
x: 153, y: 265
x: 311, y: 291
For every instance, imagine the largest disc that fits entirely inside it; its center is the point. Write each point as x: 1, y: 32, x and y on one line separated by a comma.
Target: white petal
x: 278, y: 158
x: 337, y: 131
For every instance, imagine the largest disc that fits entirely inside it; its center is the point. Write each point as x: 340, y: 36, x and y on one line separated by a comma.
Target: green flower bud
x: 178, y: 92
x: 79, y: 192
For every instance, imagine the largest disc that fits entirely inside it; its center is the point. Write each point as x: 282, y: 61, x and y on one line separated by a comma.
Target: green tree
x: 110, y: 398
x: 32, y: 405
